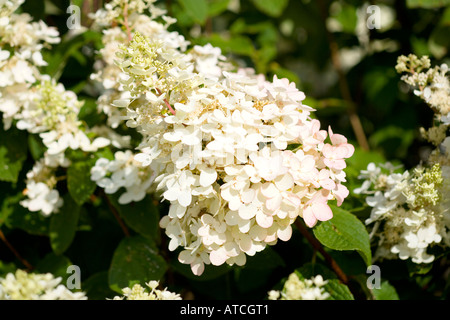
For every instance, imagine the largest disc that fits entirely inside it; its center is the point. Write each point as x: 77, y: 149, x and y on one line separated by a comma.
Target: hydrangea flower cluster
x: 137, y: 292
x: 124, y: 172
x: 238, y: 157
x: 38, y: 104
x: 111, y: 20
x: 33, y: 286
x: 410, y: 210
x: 301, y: 289
x: 21, y: 43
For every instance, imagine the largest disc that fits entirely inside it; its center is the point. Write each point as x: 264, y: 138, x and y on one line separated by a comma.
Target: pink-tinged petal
x: 322, y: 211
x: 257, y: 233
x: 247, y: 212
x: 308, y: 163
x: 340, y: 152
x: 295, y: 200
x: 320, y: 196
x: 341, y: 193
x: 321, y: 135
x: 315, y: 125
x: 350, y: 151
x: 271, y: 234
x: 308, y: 217
x: 328, y: 151
x: 274, y: 203
x: 186, y: 257
x: 218, y: 257
x: 248, y: 195
x: 246, y: 243
x: 269, y: 190
x: 324, y: 174
x: 284, y: 182
x: 173, y: 244
x: 234, y: 204
x: 264, y: 220
x: 285, y: 234
x: 335, y: 164
x: 337, y: 139
x: 198, y: 268
x: 328, y: 184
x: 330, y: 132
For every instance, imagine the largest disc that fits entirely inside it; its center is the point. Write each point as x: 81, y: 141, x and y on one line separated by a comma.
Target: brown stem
x: 318, y: 247
x: 125, y: 21
x: 355, y: 121
x: 116, y: 214
x: 172, y: 111
x: 14, y: 251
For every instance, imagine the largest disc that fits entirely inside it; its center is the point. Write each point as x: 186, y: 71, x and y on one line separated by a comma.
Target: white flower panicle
x: 411, y: 210
x: 33, y: 286
x: 41, y: 192
x: 38, y: 104
x: 430, y: 84
x: 21, y: 42
x: 137, y: 292
x: 108, y: 73
x: 301, y: 289
x: 238, y: 157
x: 123, y: 172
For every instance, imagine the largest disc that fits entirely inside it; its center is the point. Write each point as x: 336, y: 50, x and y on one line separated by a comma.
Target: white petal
x: 207, y: 177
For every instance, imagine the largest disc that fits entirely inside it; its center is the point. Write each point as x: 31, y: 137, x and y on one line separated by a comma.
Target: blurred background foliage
x: 347, y: 72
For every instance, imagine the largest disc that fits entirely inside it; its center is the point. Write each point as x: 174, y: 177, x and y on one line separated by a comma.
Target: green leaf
x: 385, y: 292
x: 79, y: 182
x: 16, y: 216
x: 273, y: 8
x: 35, y: 8
x: 56, y: 265
x: 13, y: 152
x: 96, y: 287
x: 196, y: 9
x: 427, y: 3
x: 36, y: 146
x: 361, y: 158
x: 59, y: 56
x: 211, y: 272
x: 348, y: 18
x: 237, y: 44
x: 344, y: 232
x: 136, y: 260
x: 6, y: 268
x: 266, y: 259
x: 63, y: 226
x: 338, y: 291
x: 310, y: 270
x: 142, y: 216
x: 216, y: 7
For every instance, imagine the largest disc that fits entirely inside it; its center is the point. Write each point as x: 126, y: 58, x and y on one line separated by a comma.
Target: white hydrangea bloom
x: 123, y: 172
x: 42, y: 195
x: 32, y: 286
x: 410, y: 210
x: 19, y: 68
x: 137, y: 292
x: 414, y: 210
x: 218, y: 146
x: 301, y: 289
